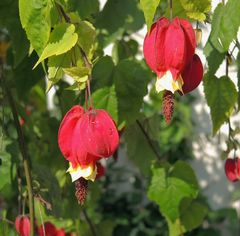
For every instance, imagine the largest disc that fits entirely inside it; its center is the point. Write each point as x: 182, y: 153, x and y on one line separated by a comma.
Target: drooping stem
x: 149, y: 140
x: 23, y: 149
x: 171, y: 9
x: 84, y: 56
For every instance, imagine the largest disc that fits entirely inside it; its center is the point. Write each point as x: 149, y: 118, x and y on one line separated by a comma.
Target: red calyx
x: 192, y: 75
x: 85, y: 137
x: 232, y: 169
x: 22, y: 225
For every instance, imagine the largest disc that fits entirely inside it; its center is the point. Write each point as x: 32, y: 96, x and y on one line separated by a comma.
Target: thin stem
x: 89, y: 93
x: 23, y: 150
x: 171, y: 9
x: 65, y: 16
x: 227, y: 64
x: 91, y: 226
x: 149, y: 140
x: 7, y: 221
x: 85, y: 59
x: 19, y: 182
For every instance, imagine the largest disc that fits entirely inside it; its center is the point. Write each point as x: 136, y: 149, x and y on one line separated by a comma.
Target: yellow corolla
x: 88, y: 173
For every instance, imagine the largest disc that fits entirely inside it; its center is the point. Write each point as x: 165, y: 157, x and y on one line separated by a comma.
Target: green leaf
x: 35, y: 19
x: 221, y: 95
x: 85, y: 9
x: 131, y: 81
x: 105, y: 98
x: 149, y: 8
x: 213, y: 56
x: 196, y: 10
x: 168, y: 189
x: 189, y: 209
x: 55, y: 67
x: 138, y: 149
x: 86, y: 37
x: 48, y: 185
x: 225, y: 25
x: 126, y: 16
x: 10, y: 21
x: 102, y: 72
x: 61, y: 40
x: 77, y: 73
x: 124, y: 50
x: 24, y: 77
x: 5, y: 169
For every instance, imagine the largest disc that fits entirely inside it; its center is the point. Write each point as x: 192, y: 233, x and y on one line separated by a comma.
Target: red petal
x: 192, y: 75
x: 60, y: 232
x: 99, y: 133
x: 153, y: 47
x: 190, y: 39
x: 50, y: 229
x: 175, y: 49
x: 22, y: 225
x: 65, y: 133
x: 232, y: 169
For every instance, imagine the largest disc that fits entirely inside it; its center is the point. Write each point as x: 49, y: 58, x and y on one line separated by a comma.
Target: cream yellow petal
x: 166, y: 82
x: 88, y: 173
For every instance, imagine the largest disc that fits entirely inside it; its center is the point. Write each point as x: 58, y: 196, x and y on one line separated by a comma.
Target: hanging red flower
x: 22, y: 225
x: 169, y: 50
x: 84, y: 138
x: 232, y: 169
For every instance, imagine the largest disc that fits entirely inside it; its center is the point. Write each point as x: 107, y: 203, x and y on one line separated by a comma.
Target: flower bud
x: 22, y: 225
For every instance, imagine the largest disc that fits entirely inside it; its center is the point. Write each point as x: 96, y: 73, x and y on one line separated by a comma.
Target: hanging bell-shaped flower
x: 73, y: 146
x: 168, y: 49
x: 22, y: 225
x: 86, y: 137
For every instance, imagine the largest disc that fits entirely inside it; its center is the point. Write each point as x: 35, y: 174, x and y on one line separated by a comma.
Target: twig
x: 23, y: 149
x: 149, y: 140
x: 89, y: 223
x: 7, y: 221
x: 65, y: 16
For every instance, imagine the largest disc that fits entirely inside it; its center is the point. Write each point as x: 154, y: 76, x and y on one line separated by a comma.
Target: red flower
x: 51, y: 230
x: 48, y: 227
x: 232, y: 169
x: 22, y: 225
x: 169, y: 49
x: 84, y: 138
